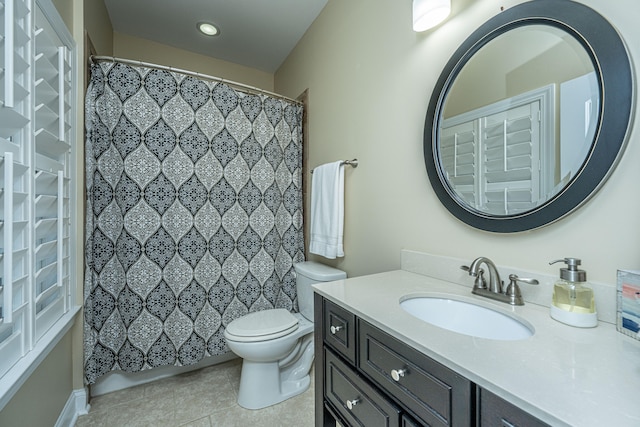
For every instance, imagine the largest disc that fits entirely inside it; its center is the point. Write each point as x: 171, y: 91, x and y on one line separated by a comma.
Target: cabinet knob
x: 352, y: 403
x: 335, y: 329
x: 396, y: 374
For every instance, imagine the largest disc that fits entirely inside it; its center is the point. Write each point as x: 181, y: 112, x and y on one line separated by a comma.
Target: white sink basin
x: 467, y: 318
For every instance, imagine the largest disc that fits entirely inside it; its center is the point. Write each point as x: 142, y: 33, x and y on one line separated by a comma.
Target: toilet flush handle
x: 335, y: 329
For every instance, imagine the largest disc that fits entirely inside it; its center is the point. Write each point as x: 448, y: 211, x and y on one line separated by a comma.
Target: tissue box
x: 629, y: 303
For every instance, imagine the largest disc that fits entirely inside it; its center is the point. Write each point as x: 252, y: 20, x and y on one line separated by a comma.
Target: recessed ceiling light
x: 207, y: 28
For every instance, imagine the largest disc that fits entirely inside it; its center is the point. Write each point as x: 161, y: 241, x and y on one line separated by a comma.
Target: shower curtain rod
x: 253, y: 89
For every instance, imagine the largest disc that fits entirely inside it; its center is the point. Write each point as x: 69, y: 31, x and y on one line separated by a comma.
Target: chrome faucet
x: 511, y: 294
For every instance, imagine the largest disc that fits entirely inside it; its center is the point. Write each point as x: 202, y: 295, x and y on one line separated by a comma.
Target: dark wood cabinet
x: 357, y: 402
x: 339, y: 330
x: 366, y: 377
x: 497, y: 412
x: 435, y: 394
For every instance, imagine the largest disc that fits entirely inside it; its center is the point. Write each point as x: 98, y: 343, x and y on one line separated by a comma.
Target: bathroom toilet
x: 277, y: 346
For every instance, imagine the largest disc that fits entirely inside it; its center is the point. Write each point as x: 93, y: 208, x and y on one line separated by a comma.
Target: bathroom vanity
x: 377, y: 365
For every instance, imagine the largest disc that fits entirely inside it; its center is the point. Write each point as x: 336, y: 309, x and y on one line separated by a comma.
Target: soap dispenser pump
x: 573, y: 301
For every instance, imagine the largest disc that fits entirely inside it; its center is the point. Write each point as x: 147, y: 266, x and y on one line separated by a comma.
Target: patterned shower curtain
x: 194, y: 214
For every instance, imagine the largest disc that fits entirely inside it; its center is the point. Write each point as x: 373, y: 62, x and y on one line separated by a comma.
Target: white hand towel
x: 327, y: 210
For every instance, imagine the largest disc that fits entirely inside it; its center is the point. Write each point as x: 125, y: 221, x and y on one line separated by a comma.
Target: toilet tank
x: 308, y: 273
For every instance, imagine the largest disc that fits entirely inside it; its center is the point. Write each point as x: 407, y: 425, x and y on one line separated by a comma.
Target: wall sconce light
x: 429, y: 13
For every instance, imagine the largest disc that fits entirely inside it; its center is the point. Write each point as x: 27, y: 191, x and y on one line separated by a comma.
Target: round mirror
x: 529, y: 116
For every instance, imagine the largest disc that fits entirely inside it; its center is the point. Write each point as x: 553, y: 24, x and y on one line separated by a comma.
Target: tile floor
x: 202, y: 398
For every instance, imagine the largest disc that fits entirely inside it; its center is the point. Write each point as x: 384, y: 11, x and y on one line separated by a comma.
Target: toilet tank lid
x: 261, y: 323
x: 316, y: 271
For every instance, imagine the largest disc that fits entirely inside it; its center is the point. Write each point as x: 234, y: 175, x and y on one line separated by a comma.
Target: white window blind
x: 510, y: 177
x: 492, y: 155
x: 15, y: 117
x: 459, y: 145
x: 36, y: 140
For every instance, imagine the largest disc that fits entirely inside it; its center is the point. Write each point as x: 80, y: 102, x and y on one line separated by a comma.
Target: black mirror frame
x: 614, y: 71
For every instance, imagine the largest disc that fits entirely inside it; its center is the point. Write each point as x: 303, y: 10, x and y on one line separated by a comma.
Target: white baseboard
x: 76, y: 405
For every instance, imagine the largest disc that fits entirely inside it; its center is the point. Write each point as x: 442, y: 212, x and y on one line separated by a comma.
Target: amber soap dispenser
x: 573, y: 301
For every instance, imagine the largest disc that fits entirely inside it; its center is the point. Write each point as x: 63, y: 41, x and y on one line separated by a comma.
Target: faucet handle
x: 514, y: 278
x: 513, y: 290
x: 466, y: 268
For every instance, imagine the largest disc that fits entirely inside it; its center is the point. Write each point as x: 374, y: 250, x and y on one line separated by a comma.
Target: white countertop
x: 562, y: 375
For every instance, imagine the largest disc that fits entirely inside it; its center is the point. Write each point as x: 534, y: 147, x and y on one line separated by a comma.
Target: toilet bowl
x: 277, y: 346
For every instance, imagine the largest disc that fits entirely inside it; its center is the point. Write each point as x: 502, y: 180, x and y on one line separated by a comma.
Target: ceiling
x: 256, y: 33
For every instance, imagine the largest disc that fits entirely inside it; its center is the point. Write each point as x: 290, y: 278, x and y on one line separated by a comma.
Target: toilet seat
x: 262, y: 325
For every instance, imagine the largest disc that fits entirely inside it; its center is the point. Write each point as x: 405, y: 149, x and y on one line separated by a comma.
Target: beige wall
x: 77, y: 354
x: 98, y: 25
x: 137, y: 49
x: 370, y: 78
x: 491, y: 76
x: 65, y: 8
x: 41, y: 399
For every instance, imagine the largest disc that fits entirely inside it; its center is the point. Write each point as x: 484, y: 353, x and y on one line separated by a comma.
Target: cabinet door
x: 435, y: 394
x: 340, y: 330
x: 495, y: 411
x: 355, y: 400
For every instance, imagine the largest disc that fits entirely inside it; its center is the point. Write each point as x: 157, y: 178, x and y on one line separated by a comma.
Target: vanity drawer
x: 435, y: 394
x: 356, y: 401
x: 408, y: 422
x: 495, y: 411
x: 340, y: 330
